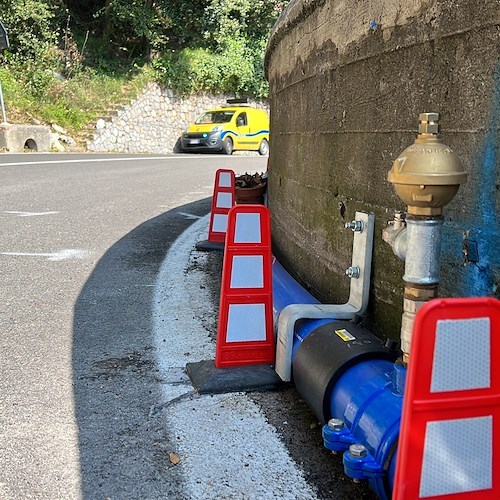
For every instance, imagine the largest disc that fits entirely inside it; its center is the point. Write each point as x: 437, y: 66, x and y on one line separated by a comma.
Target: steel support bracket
x: 356, y: 305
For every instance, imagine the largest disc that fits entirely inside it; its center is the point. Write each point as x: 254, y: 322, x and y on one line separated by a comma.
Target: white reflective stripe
x: 224, y: 200
x: 225, y: 180
x: 247, y: 228
x: 247, y: 271
x: 458, y: 456
x: 246, y: 323
x: 461, y: 355
x: 219, y: 224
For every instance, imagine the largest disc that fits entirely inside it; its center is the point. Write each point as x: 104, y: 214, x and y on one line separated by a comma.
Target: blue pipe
x: 369, y: 401
x: 368, y: 398
x: 287, y: 291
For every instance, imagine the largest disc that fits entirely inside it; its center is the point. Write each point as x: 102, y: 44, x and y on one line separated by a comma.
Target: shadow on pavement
x: 124, y: 450
x: 123, y: 442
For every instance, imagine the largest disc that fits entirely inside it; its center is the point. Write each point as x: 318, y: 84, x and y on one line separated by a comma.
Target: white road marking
x: 86, y: 160
x: 189, y: 216
x: 97, y: 160
x: 226, y: 446
x: 54, y: 256
x: 28, y: 214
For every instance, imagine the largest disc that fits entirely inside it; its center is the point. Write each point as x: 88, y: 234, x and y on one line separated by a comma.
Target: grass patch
x: 74, y: 103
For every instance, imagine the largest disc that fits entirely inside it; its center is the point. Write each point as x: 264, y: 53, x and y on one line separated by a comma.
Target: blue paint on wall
x: 480, y: 274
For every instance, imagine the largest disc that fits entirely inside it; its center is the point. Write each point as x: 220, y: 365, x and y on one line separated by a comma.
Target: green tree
x: 208, y: 45
x: 32, y: 27
x: 208, y: 23
x: 226, y: 40
x: 138, y: 25
x: 250, y: 20
x: 131, y: 28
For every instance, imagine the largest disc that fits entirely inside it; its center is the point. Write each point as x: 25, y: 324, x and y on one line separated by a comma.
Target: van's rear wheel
x: 264, y: 147
x: 227, y: 146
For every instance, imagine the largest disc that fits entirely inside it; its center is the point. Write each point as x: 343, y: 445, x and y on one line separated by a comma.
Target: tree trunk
x: 106, y: 32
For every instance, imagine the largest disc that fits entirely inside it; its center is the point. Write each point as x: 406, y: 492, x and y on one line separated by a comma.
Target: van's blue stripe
x: 223, y: 134
x: 260, y: 132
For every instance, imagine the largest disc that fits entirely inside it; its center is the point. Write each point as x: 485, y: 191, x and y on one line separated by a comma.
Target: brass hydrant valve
x: 427, y: 175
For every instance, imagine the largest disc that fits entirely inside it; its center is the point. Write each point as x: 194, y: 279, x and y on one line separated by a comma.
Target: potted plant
x: 250, y: 188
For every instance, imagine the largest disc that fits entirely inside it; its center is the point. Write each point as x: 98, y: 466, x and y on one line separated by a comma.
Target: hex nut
x: 336, y: 424
x: 428, y: 117
x: 355, y: 225
x: 353, y: 272
x: 428, y: 123
x: 358, y: 450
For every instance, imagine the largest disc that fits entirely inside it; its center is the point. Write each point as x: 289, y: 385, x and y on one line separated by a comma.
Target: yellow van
x: 235, y: 127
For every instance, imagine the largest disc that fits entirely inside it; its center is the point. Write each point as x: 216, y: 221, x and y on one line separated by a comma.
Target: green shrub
x: 33, y: 30
x: 72, y: 103
x: 234, y: 69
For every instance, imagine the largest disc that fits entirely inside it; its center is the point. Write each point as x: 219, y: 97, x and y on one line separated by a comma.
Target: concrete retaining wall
x: 348, y: 80
x: 153, y: 122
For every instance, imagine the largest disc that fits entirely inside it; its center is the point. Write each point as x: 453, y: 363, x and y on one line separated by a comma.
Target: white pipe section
x: 356, y: 305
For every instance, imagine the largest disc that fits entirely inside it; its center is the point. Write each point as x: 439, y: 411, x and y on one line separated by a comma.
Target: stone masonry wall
x: 348, y: 80
x: 154, y: 121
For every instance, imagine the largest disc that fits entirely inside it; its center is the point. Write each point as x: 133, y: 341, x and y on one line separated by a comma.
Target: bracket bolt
x: 356, y: 225
x: 358, y: 450
x: 336, y: 424
x: 429, y: 123
x: 353, y: 272
x: 400, y: 216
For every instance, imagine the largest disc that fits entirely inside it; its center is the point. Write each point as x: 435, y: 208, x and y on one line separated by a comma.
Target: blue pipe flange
x: 347, y: 376
x: 368, y: 398
x: 360, y: 465
x: 336, y: 436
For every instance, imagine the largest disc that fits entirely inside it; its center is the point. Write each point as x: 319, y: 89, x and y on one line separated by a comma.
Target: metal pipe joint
x: 395, y: 235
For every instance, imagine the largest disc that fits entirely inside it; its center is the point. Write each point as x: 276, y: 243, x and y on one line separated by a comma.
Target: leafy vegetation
x: 69, y: 60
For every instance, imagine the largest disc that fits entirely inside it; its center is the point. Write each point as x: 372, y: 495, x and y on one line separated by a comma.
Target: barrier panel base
x: 209, y: 246
x: 207, y: 379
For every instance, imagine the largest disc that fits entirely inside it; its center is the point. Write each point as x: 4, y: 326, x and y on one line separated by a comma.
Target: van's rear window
x: 215, y: 117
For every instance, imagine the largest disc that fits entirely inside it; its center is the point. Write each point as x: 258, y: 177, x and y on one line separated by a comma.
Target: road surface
x: 93, y: 399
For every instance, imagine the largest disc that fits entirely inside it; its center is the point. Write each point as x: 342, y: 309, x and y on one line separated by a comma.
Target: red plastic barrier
x: 245, y: 333
x: 222, y: 201
x: 449, y: 446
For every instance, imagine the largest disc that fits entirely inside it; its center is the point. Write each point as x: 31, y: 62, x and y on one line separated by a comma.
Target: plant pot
x: 252, y: 195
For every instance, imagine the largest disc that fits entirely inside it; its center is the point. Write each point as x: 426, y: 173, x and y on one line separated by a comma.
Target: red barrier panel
x: 449, y: 445
x: 245, y: 333
x: 222, y: 200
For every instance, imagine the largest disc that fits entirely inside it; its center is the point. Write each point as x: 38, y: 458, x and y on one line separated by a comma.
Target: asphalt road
x: 83, y: 238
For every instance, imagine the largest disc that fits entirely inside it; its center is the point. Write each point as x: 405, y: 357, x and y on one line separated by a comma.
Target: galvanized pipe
x: 423, y: 249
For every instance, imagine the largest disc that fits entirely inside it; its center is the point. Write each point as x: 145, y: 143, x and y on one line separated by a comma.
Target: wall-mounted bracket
x: 356, y: 305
